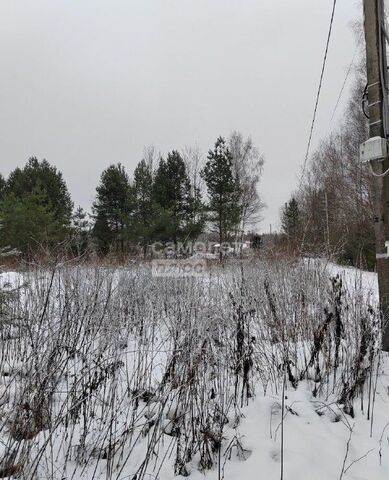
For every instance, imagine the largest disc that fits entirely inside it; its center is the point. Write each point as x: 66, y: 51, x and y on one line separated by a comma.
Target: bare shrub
x: 109, y: 372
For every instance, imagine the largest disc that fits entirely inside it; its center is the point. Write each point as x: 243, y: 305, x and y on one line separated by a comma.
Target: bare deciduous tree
x: 248, y: 165
x: 334, y: 197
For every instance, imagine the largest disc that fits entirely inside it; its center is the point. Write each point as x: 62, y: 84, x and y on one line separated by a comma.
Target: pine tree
x: 112, y: 209
x: 223, y: 192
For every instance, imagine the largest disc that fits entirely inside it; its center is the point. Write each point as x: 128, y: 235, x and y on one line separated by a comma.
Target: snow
x: 316, y: 439
x: 315, y: 446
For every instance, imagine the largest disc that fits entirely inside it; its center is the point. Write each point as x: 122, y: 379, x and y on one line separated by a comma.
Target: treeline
x: 35, y: 207
x: 173, y: 199
x: 331, y: 213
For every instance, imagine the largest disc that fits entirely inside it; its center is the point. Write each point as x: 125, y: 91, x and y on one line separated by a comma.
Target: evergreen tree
x: 80, y: 227
x: 223, y: 191
x: 22, y: 182
x: 3, y: 184
x: 290, y: 222
x: 146, y: 211
x: 196, y: 217
x: 102, y: 234
x: 173, y: 194
x: 112, y: 209
x: 28, y: 223
x: 35, y: 207
x: 256, y: 241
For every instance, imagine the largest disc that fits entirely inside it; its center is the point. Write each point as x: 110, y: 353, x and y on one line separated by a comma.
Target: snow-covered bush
x: 113, y: 373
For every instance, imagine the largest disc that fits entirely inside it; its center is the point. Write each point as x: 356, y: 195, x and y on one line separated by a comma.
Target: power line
x: 319, y: 89
x: 344, y: 83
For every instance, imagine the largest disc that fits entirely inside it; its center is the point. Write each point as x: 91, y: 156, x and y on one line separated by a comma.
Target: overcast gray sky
x: 87, y: 83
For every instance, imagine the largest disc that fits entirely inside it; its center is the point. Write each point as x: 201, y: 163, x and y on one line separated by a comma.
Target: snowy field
x: 267, y: 373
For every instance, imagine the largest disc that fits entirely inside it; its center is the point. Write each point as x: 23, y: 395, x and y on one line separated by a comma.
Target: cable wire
x: 319, y: 89
x: 346, y: 78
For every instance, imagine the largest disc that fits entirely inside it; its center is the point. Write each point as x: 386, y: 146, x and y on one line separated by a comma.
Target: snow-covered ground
x: 320, y: 441
x: 154, y: 390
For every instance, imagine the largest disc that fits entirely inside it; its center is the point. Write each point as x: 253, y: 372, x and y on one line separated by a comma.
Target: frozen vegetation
x: 268, y: 370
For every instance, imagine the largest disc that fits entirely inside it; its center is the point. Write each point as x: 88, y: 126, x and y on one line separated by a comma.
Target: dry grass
x: 115, y: 374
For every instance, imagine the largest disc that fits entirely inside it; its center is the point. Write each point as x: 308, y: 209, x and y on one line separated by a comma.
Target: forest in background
x: 183, y: 197
x: 168, y: 200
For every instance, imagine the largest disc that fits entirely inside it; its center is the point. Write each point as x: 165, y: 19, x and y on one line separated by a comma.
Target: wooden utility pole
x: 376, y: 75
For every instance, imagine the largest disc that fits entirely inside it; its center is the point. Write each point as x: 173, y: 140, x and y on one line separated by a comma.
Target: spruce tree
x: 223, y: 192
